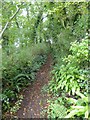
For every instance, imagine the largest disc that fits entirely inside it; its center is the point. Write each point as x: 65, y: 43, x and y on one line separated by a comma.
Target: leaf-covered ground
x: 34, y: 99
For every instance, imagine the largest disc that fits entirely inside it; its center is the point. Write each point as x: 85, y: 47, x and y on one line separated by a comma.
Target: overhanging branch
x: 5, y: 27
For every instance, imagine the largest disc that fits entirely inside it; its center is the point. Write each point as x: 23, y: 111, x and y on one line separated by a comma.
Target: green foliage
x: 25, y: 48
x: 78, y: 107
x: 61, y: 47
x: 57, y: 109
x: 19, y: 70
x: 81, y: 25
x: 71, y: 22
x: 17, y: 105
x: 71, y: 77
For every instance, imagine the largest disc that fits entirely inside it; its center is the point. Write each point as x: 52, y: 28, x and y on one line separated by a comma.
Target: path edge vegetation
x: 60, y: 28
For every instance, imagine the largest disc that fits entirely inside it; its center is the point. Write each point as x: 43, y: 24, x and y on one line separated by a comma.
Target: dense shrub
x: 19, y: 68
x: 61, y: 47
x: 71, y: 79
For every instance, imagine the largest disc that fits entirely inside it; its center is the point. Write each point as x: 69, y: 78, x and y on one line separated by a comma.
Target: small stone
x: 23, y: 113
x: 24, y: 109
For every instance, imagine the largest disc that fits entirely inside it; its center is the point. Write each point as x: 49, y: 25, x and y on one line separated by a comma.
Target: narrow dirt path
x: 34, y: 100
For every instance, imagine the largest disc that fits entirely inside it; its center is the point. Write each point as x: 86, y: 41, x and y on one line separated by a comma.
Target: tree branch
x: 5, y: 27
x: 16, y: 22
